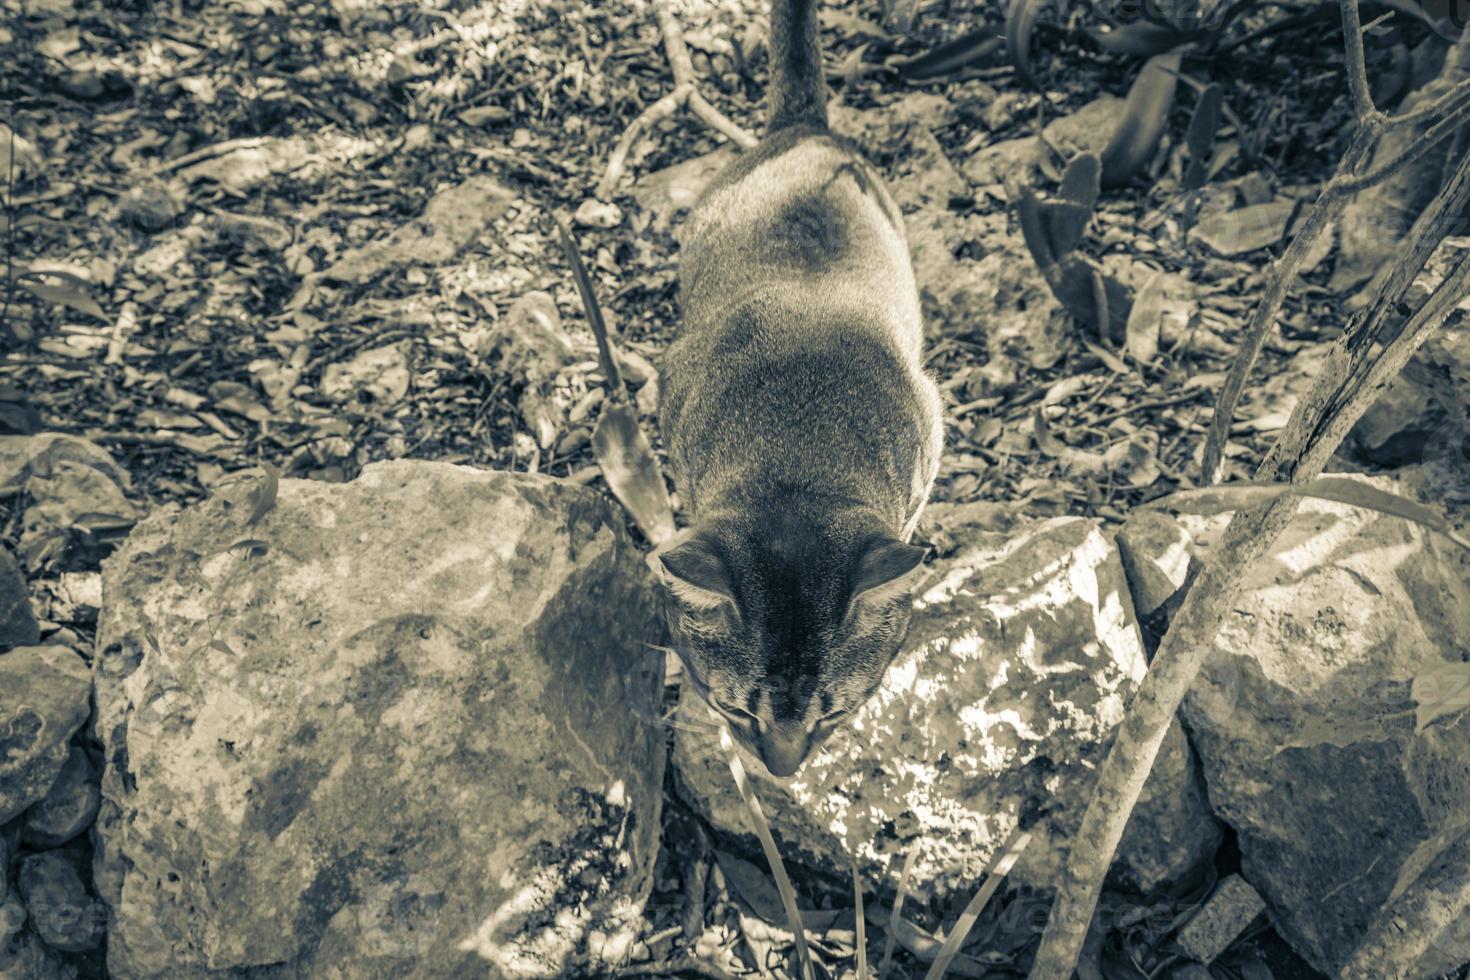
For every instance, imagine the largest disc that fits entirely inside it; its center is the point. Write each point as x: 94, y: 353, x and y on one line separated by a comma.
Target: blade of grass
x: 897, y: 916
x: 1237, y: 496
x: 862, y: 927
x: 773, y: 856
x: 1000, y: 865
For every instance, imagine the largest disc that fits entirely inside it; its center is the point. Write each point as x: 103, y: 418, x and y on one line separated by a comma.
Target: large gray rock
x: 1304, y: 720
x: 43, y: 701
x: 1019, y: 662
x: 397, y: 744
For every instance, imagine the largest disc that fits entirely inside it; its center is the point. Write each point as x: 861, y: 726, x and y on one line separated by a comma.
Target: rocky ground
x: 314, y: 237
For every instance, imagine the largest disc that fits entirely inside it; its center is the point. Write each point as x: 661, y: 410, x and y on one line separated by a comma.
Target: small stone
x: 598, y: 214
x: 17, y: 624
x: 377, y: 377
x: 68, y: 808
x: 1225, y: 915
x: 44, y: 695
x: 1246, y: 229
x: 485, y: 115
x: 61, y: 911
x: 636, y: 369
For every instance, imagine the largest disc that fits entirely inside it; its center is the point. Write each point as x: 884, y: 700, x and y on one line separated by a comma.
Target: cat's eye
x: 833, y: 717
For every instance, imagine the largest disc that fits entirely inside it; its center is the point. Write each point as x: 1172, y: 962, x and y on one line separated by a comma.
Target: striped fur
x: 803, y: 432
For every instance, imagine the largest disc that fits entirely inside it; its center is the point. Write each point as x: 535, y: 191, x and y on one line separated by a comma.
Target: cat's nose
x: 782, y: 748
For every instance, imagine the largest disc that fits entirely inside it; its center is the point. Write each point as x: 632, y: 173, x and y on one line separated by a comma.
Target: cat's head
x: 786, y: 621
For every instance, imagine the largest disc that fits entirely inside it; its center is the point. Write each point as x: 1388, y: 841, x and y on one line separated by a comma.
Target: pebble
x: 68, y: 809
x: 1225, y: 915
x: 593, y: 213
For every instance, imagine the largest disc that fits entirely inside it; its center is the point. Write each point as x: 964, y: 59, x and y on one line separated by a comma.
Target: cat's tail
x: 798, y: 93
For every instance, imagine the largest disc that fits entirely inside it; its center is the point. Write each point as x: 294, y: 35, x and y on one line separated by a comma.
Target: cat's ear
x: 883, y: 568
x: 690, y: 566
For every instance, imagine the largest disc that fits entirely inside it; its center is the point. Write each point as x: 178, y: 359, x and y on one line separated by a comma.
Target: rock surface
x: 17, y: 624
x: 1017, y: 667
x: 1156, y: 554
x: 68, y: 808
x: 1304, y: 719
x: 397, y: 744
x: 43, y: 701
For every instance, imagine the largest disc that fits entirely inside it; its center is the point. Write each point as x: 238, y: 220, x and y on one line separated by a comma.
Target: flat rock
x: 1304, y: 719
x: 23, y: 456
x: 1087, y: 130
x: 670, y: 192
x: 452, y: 219
x: 1246, y: 229
x: 374, y: 378
x: 43, y: 701
x: 398, y: 744
x: 976, y: 278
x: 1017, y: 667
x: 73, y: 489
x: 17, y: 624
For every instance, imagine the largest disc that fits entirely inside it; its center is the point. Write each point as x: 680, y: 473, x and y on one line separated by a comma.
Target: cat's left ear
x: 883, y: 569
x: 691, y: 567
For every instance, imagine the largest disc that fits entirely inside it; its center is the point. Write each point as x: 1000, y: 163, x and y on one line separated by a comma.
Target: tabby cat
x: 803, y: 432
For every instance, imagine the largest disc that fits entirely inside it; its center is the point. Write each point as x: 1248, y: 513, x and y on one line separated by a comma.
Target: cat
x: 802, y: 430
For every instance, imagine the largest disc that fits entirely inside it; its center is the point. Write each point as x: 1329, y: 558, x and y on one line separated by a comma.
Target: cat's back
x: 805, y: 220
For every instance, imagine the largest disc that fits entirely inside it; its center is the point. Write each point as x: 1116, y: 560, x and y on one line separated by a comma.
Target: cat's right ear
x: 691, y: 568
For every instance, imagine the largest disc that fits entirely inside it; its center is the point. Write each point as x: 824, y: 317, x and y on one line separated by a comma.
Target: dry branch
x: 685, y: 95
x: 1353, y: 174
x: 1368, y: 355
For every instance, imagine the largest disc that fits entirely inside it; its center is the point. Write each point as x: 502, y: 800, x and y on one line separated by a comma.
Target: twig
x: 1316, y: 428
x: 1454, y: 109
x: 1427, y: 141
x: 685, y: 94
x: 9, y: 228
x: 1357, y: 75
x: 1327, y: 206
